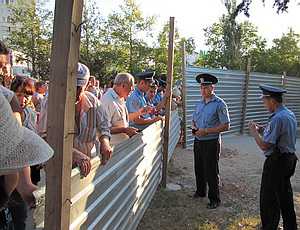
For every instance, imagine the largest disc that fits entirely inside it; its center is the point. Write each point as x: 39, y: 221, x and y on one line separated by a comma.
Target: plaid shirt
x: 90, y: 123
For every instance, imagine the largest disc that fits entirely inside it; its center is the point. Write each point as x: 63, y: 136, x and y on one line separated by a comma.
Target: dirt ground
x: 240, y: 172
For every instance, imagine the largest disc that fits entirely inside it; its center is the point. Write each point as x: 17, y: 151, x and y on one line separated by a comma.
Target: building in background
x: 5, y: 26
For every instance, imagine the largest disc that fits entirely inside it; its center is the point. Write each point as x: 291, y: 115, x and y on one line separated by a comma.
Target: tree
x: 230, y: 43
x: 32, y: 36
x: 284, y: 55
x: 91, y: 38
x: 160, y: 52
x: 244, y: 6
x: 126, y: 28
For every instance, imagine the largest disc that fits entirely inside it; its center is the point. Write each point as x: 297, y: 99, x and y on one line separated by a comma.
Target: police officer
x: 160, y: 92
x: 137, y: 100
x: 278, y: 143
x: 210, y: 118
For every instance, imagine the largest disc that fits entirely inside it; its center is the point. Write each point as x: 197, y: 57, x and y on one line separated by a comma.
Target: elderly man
x: 278, y: 142
x: 210, y: 118
x: 137, y: 101
x: 113, y: 104
x: 91, y: 125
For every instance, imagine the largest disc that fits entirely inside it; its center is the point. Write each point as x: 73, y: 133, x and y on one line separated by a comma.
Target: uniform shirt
x: 157, y: 98
x: 149, y: 102
x: 115, y: 109
x: 90, y: 123
x: 210, y: 115
x: 135, y: 102
x: 281, y: 129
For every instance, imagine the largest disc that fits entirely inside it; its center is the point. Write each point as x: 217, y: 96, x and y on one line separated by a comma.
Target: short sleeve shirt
x: 281, y: 130
x: 136, y: 101
x: 210, y: 115
x: 115, y: 108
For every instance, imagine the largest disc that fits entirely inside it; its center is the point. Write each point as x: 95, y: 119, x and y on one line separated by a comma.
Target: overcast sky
x: 192, y: 16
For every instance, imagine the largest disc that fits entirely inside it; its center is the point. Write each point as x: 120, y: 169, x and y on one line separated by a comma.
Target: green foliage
x: 32, y: 36
x: 161, y: 51
x: 231, y: 43
x: 284, y: 55
x: 126, y: 28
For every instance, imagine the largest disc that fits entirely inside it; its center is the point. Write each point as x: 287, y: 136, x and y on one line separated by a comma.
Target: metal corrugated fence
x: 175, y: 128
x: 231, y: 87
x: 293, y: 97
x: 255, y: 109
x: 115, y: 196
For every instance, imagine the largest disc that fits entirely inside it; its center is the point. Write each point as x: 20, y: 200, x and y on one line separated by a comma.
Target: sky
x: 192, y: 16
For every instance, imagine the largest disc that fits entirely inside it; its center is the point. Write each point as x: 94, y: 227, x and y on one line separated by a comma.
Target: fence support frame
x: 61, y: 111
x: 245, y: 95
x: 168, y: 97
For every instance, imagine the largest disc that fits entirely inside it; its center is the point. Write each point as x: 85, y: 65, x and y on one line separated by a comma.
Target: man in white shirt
x: 113, y: 104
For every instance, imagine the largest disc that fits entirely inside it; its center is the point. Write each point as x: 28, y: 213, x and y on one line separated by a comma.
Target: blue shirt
x: 210, y: 115
x: 157, y: 98
x: 149, y: 102
x: 135, y: 102
x: 281, y: 129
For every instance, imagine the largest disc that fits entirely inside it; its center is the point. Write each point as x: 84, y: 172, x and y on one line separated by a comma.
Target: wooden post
x: 283, y: 83
x: 61, y: 111
x: 183, y: 68
x: 245, y: 95
x: 168, y: 102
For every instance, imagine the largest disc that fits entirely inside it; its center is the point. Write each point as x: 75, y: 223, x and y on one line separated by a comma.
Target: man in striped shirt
x: 91, y: 125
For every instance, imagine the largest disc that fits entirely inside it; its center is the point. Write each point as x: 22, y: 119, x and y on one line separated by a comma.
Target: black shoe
x: 197, y: 195
x: 213, y: 204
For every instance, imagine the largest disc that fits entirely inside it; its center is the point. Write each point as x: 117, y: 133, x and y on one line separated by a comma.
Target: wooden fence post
x: 245, y: 95
x: 61, y: 111
x: 283, y: 83
x: 168, y: 102
x: 183, y: 68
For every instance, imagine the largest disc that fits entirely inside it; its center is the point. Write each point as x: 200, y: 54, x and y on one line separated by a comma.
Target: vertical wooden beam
x: 183, y: 68
x: 245, y: 95
x: 61, y: 111
x: 168, y: 101
x: 283, y: 83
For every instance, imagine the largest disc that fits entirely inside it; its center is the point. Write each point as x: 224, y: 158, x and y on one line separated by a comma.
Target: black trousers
x: 206, y: 158
x: 276, y: 194
x: 18, y: 210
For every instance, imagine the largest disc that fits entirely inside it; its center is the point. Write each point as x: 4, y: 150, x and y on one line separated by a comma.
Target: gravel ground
x: 240, y: 172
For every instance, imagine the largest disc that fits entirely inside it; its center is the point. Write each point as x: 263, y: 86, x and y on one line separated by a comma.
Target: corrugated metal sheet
x: 115, y: 196
x: 293, y: 97
x: 255, y: 109
x: 231, y: 88
x: 175, y: 130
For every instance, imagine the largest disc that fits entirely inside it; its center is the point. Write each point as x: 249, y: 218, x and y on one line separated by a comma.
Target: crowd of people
x: 104, y: 117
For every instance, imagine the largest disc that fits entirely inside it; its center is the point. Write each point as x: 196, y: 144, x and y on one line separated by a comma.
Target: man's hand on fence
x: 106, y: 151
x: 82, y: 161
x: 130, y: 131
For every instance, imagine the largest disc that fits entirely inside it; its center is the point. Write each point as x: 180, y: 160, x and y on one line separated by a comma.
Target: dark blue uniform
x: 276, y: 195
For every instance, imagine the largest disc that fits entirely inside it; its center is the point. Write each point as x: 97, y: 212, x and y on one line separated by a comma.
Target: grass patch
x: 207, y: 226
x: 245, y: 223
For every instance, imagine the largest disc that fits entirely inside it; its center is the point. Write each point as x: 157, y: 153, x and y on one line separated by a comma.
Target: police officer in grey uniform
x: 278, y: 143
x: 210, y: 118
